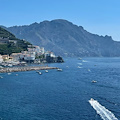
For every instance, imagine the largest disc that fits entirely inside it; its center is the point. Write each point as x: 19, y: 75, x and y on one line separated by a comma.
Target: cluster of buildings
x: 31, y: 54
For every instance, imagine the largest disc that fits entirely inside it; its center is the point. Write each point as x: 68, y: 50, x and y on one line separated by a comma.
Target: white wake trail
x: 102, y: 111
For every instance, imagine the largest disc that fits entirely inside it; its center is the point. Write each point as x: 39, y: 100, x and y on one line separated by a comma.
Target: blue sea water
x: 62, y: 95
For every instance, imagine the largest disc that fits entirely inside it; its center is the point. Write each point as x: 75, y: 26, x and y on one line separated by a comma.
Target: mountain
x: 64, y: 38
x: 10, y: 44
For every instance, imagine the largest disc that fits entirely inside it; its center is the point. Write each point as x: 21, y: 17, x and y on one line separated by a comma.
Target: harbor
x: 25, y: 68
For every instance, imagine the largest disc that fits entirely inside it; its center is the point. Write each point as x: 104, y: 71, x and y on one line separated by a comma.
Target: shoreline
x: 27, y: 68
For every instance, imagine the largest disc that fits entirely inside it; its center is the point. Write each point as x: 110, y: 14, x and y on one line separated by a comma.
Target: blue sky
x: 96, y: 16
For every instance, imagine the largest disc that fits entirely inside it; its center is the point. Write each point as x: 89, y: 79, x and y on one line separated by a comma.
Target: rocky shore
x: 27, y: 68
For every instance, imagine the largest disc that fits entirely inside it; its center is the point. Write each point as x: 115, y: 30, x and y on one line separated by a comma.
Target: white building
x: 16, y: 56
x: 29, y: 57
x: 37, y: 50
x: 51, y: 54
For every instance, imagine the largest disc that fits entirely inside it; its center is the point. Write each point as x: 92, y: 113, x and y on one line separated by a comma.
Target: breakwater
x: 26, y: 68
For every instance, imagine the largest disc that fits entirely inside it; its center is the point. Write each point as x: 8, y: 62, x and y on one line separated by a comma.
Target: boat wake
x: 104, y: 113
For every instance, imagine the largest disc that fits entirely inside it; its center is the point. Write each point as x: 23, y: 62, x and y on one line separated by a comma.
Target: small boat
x: 79, y: 67
x: 40, y: 73
x: 84, y: 61
x: 79, y: 58
x: 16, y: 74
x: 59, y: 69
x: 93, y: 81
x: 9, y: 73
x: 46, y: 71
x: 79, y: 63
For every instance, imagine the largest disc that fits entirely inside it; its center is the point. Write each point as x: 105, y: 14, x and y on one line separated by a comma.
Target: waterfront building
x: 29, y: 57
x: 37, y: 50
x: 52, y: 54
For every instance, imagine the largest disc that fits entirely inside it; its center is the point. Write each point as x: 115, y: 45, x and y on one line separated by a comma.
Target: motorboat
x: 40, y: 73
x: 79, y: 58
x: 92, y: 99
x: 93, y: 81
x: 84, y: 61
x: 46, y: 71
x: 79, y: 67
x: 59, y: 69
x: 9, y: 73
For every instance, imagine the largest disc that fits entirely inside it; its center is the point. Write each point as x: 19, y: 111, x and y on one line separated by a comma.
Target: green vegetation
x: 5, y: 34
x: 12, y: 47
x: 9, y: 48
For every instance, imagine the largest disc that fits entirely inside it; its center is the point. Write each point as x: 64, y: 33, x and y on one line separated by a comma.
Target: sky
x: 100, y: 17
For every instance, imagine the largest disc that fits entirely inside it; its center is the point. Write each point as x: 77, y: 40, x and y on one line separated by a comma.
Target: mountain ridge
x: 65, y: 38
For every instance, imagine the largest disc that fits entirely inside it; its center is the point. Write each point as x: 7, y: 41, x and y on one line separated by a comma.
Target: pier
x: 26, y: 68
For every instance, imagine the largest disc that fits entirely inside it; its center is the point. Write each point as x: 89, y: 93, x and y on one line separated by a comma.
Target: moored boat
x: 93, y: 81
x: 59, y: 69
x: 40, y: 73
x: 46, y: 71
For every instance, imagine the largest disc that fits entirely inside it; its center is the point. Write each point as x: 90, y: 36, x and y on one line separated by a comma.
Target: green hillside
x: 12, y: 44
x: 5, y: 34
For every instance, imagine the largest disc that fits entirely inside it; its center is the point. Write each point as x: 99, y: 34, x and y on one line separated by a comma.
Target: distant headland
x: 67, y: 39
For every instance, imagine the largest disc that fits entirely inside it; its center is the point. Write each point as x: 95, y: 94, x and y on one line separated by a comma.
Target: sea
x: 63, y: 95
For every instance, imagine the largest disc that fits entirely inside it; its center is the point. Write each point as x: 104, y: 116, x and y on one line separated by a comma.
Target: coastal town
x: 34, y: 54
x: 20, y: 55
x: 22, y: 61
